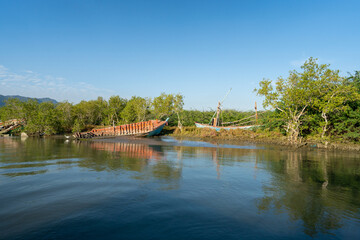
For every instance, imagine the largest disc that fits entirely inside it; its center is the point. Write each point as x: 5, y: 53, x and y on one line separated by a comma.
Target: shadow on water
x: 317, y: 190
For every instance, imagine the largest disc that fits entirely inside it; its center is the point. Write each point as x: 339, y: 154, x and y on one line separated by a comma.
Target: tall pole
x: 217, y: 116
x: 217, y: 111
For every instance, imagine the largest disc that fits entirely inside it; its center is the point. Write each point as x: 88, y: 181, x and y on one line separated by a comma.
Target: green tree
x: 178, y: 107
x: 99, y: 105
x: 347, y: 123
x: 354, y: 79
x: 116, y: 105
x: 42, y: 118
x: 136, y: 109
x: 65, y: 116
x: 316, y: 87
x: 90, y: 112
x: 333, y: 94
x: 168, y: 104
x: 13, y: 109
x: 163, y: 105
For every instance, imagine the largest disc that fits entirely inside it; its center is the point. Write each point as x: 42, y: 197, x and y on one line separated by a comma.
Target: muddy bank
x: 183, y: 142
x: 273, y: 138
x: 194, y: 137
x: 231, y: 143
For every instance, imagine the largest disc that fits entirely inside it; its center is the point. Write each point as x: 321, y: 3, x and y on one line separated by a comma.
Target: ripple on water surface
x: 175, y: 189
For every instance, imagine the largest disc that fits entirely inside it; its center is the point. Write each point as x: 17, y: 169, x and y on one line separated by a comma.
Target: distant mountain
x: 40, y: 100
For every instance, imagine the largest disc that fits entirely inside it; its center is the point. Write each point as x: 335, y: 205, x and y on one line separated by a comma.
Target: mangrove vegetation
x: 312, y: 103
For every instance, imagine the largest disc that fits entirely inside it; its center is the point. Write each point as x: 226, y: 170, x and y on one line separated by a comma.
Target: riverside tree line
x: 64, y: 117
x: 315, y: 102
x: 49, y: 118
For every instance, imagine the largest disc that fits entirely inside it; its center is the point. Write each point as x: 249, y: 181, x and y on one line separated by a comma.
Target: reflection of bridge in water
x: 133, y: 150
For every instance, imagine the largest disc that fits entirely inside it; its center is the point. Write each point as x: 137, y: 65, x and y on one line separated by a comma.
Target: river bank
x: 241, y: 136
x: 264, y: 137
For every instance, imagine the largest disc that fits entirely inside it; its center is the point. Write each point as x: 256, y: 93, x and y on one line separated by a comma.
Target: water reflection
x: 147, y: 160
x: 132, y: 150
x: 318, y: 189
x: 309, y: 187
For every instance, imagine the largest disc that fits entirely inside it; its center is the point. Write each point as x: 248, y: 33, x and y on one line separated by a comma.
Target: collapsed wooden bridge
x: 10, y: 125
x: 139, y: 129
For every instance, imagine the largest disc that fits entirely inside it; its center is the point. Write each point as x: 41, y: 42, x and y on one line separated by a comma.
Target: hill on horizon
x: 3, y: 98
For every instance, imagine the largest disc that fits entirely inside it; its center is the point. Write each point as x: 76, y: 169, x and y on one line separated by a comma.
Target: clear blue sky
x: 73, y: 50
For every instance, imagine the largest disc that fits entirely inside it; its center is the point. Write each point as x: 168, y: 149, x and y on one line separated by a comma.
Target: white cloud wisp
x: 31, y: 84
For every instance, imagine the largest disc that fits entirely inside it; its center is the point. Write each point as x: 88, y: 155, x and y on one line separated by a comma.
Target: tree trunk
x: 293, y: 130
x: 323, y: 115
x: 179, y: 122
x: 293, y: 124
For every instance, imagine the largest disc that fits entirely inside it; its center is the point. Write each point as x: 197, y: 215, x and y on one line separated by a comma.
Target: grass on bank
x: 240, y: 134
x: 261, y: 136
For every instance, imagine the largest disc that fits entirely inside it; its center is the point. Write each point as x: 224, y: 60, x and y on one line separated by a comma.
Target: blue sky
x: 74, y: 50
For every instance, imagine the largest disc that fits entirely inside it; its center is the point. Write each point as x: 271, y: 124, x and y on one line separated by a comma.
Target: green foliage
x: 315, y: 102
x: 136, y: 110
x: 78, y: 126
x: 163, y: 105
x: 43, y: 119
x: 191, y: 116
x: 13, y: 109
x: 293, y: 95
x: 347, y: 124
x: 49, y: 118
x: 304, y: 96
x: 354, y: 79
x: 166, y: 105
x: 65, y: 116
x: 116, y: 105
x: 39, y: 118
x: 272, y: 121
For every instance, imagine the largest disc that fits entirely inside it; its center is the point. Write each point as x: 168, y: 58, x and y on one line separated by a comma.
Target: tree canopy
x: 316, y: 88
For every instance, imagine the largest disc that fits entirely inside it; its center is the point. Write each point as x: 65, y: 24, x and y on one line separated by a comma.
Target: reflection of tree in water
x: 312, y: 186
x: 306, y: 185
x: 30, y: 149
x: 38, y: 154
x: 29, y: 156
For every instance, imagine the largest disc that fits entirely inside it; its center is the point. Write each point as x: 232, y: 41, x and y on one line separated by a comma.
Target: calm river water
x: 165, y: 188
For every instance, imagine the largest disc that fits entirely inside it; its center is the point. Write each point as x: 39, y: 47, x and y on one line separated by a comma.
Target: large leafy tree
x: 334, y: 93
x: 347, y: 123
x: 44, y: 120
x: 90, y: 113
x: 168, y: 104
x: 65, y: 116
x: 136, y: 110
x: 8, y: 111
x: 315, y: 87
x: 163, y: 105
x: 354, y: 79
x: 116, y: 105
x: 178, y: 107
